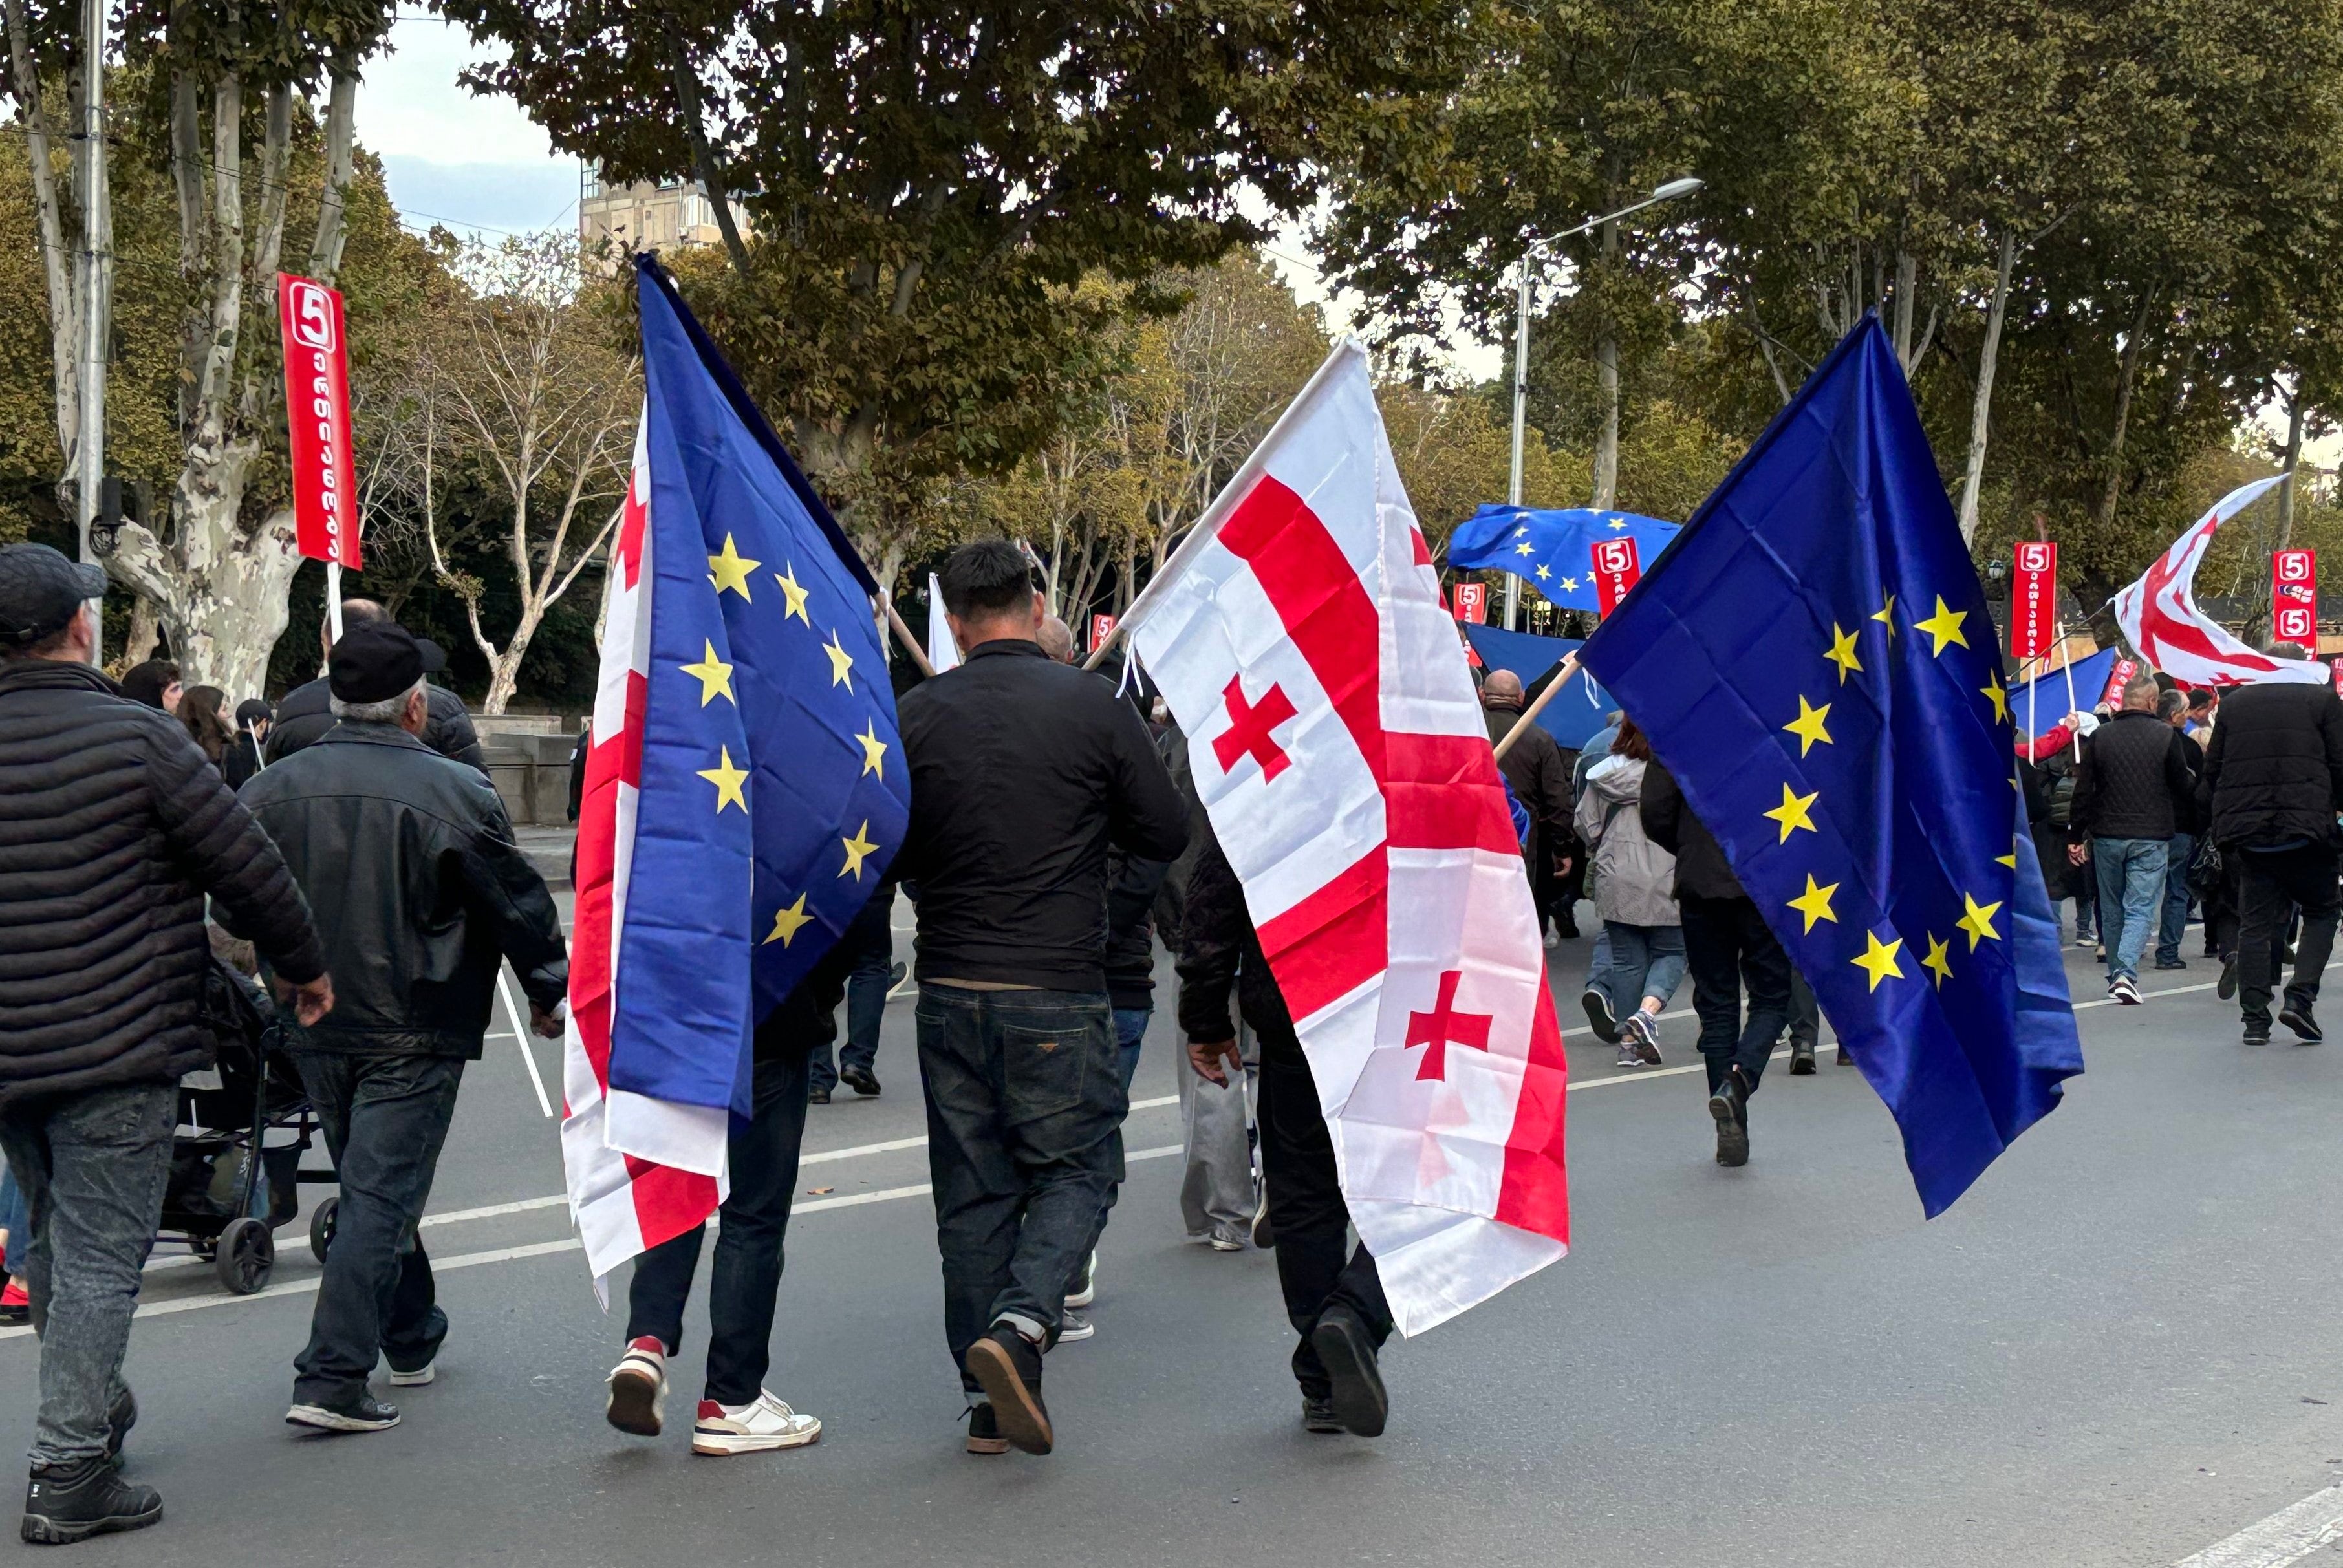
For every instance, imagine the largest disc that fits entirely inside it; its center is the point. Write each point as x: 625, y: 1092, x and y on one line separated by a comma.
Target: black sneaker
x: 1802, y: 1058
x: 1318, y: 1414
x: 818, y: 1097
x: 69, y: 1503
x: 984, y: 1432
x: 2258, y: 1031
x: 861, y: 1079
x: 895, y: 973
x: 1728, y: 1106
x: 2298, y: 1019
x: 1348, y: 1354
x: 362, y: 1412
x: 1599, y: 1014
x: 1008, y: 1367
x: 119, y: 1420
x: 2226, y: 987
x: 2172, y: 963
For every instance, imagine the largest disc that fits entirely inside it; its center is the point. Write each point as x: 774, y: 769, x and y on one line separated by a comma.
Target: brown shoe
x: 1009, y: 1369
x: 984, y: 1432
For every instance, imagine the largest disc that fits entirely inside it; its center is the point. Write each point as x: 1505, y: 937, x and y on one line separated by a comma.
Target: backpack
x: 2062, y: 797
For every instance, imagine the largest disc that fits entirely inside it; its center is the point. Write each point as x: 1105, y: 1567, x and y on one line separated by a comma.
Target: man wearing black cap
x: 421, y: 896
x: 113, y: 830
x: 307, y: 712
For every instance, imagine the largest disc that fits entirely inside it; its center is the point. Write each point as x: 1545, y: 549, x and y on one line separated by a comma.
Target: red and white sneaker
x: 637, y: 1388
x: 765, y: 1422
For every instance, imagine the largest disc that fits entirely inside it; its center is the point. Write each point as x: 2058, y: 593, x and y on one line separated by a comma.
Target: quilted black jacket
x: 112, y: 830
x: 2135, y: 781
x: 2274, y: 771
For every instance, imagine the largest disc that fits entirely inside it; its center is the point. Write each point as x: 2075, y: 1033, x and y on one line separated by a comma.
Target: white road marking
x: 2289, y: 1535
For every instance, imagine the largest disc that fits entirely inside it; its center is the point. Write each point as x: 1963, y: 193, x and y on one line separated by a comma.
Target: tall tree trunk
x: 64, y: 305
x: 2284, y: 537
x: 1907, y: 278
x: 2126, y: 378
x: 1981, y: 406
x: 1606, y: 392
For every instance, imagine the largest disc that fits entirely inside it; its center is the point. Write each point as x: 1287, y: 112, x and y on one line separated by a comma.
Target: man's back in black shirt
x: 1022, y: 771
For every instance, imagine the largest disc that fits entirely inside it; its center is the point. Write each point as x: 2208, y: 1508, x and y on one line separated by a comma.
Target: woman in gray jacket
x: 1635, y: 892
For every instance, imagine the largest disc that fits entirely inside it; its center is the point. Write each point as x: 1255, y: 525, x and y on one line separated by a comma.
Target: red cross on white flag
x: 1337, y: 744
x: 2160, y: 616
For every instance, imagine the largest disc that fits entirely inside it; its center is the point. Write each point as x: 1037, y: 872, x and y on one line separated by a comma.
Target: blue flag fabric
x: 774, y: 793
x: 1574, y: 717
x: 1554, y: 551
x: 2044, y: 698
x: 1814, y: 663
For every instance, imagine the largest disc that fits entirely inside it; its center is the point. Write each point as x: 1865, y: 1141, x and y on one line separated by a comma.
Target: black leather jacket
x: 306, y: 713
x: 418, y: 890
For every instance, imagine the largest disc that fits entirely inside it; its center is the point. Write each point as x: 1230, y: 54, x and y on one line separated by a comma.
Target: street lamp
x: 1668, y: 192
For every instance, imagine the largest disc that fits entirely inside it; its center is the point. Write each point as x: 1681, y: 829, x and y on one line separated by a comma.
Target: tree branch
x: 703, y: 156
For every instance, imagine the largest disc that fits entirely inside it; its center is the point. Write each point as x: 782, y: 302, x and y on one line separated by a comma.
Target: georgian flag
x: 2160, y: 618
x: 1338, y: 747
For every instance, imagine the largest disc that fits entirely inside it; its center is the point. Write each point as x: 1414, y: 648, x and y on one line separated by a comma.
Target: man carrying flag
x: 1813, y: 662
x: 745, y: 793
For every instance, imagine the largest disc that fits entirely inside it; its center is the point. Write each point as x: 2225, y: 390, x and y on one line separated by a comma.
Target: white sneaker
x: 1226, y: 1239
x: 418, y: 1378
x: 763, y: 1423
x: 639, y: 1388
x: 1074, y: 1325
x: 1088, y: 1293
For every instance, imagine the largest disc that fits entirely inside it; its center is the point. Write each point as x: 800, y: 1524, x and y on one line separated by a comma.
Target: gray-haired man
x: 420, y: 895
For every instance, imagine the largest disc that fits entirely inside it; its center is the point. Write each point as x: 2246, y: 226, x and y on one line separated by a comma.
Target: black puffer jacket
x: 1219, y: 954
x: 420, y: 892
x: 2273, y: 772
x: 1702, y: 869
x: 112, y: 830
x: 2135, y: 781
x: 306, y: 713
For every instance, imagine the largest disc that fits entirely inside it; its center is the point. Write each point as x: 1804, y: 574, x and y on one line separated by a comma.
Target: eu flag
x: 772, y: 789
x: 1554, y: 551
x: 1814, y: 661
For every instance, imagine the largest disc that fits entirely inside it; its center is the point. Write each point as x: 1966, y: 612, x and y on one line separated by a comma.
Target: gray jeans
x: 93, y: 1166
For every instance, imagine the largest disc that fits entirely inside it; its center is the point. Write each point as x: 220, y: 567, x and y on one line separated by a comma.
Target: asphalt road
x: 2125, y: 1344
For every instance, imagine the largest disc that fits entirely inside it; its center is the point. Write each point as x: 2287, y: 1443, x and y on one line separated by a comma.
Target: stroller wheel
x: 321, y: 1227
x: 246, y: 1254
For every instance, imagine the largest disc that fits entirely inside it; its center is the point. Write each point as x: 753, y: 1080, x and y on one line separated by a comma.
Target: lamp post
x: 1668, y: 192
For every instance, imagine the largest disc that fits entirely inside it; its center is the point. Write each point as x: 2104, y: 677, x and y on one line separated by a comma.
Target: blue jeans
x: 872, y: 941
x: 1025, y: 1109
x: 1130, y: 1033
x: 1644, y: 960
x: 15, y: 1219
x: 2176, y: 898
x: 2131, y: 894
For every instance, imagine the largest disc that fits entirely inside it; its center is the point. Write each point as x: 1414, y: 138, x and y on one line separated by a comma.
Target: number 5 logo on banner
x: 313, y: 317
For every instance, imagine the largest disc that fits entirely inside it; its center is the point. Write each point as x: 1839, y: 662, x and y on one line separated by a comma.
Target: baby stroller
x: 229, y: 1190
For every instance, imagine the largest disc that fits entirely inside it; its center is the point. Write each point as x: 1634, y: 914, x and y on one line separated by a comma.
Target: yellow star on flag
x: 1570, y: 585
x: 841, y: 661
x: 787, y: 578
x: 873, y: 748
x: 1814, y: 902
x: 1792, y: 813
x: 1936, y: 964
x: 787, y: 921
x: 1842, y: 653
x: 1520, y: 533
x: 728, y: 780
x: 1944, y: 626
x: 1808, y: 726
x: 2010, y: 859
x: 1524, y: 550
x: 1978, y: 921
x: 1998, y: 694
x: 1878, y: 959
x: 730, y: 571
x: 714, y: 675
x: 856, y: 849
x: 1885, y: 616
x: 1545, y: 572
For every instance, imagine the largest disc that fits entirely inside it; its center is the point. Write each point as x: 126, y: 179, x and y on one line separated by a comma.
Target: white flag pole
x: 520, y: 1038
x: 2058, y: 629
x: 333, y: 598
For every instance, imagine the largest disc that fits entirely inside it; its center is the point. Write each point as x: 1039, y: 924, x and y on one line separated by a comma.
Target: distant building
x: 666, y: 215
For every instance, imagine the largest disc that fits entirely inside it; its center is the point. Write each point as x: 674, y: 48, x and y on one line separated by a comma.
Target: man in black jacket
x: 307, y: 712
x: 1538, y: 771
x: 2131, y: 794
x: 1727, y: 946
x: 2273, y: 783
x: 1023, y: 771
x: 421, y: 896
x: 1334, y: 1295
x: 113, y: 831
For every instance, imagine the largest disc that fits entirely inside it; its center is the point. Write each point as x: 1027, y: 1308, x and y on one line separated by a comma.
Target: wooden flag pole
x: 903, y: 634
x: 1562, y: 672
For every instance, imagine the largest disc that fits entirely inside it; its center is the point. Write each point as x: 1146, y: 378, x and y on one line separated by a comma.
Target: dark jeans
x: 1130, y: 1034
x: 2270, y: 884
x: 1806, y: 1013
x: 1317, y: 1266
x: 1025, y: 1104
x: 745, y: 1280
x: 93, y: 1166
x: 1727, y: 946
x: 871, y: 941
x: 2176, y: 898
x: 384, y: 1119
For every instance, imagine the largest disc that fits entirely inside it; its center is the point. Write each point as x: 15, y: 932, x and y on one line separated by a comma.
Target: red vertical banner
x: 2120, y: 676
x: 1617, y: 568
x: 317, y: 415
x: 1101, y: 628
x: 2339, y: 678
x: 2294, y: 597
x: 1472, y: 602
x: 2033, y: 600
